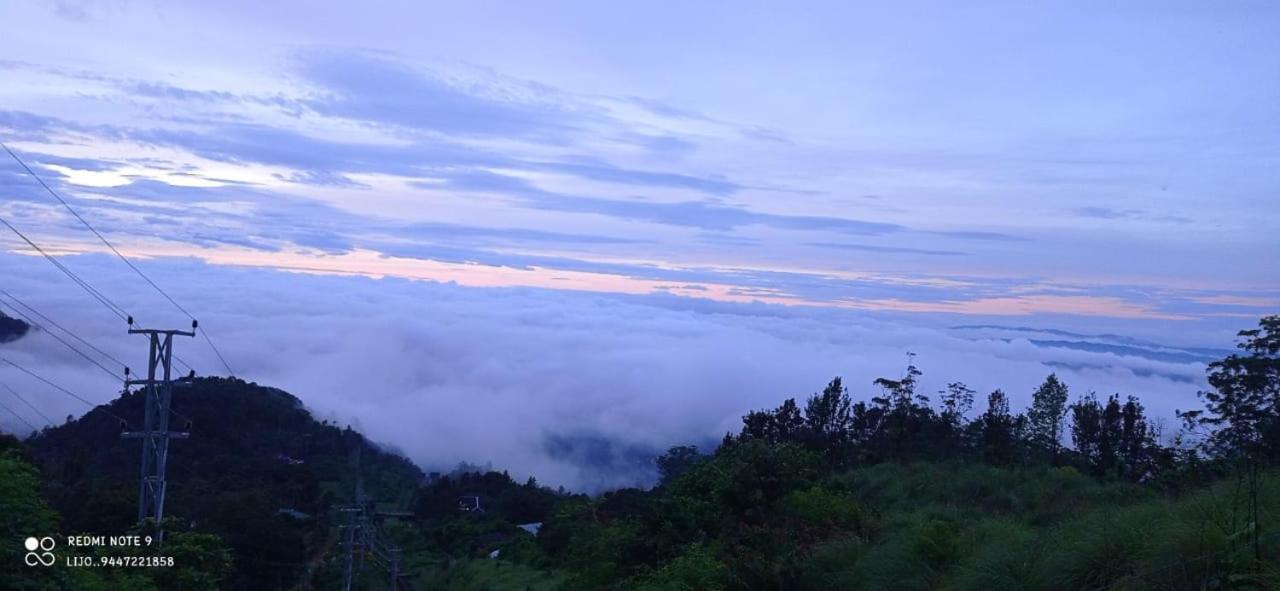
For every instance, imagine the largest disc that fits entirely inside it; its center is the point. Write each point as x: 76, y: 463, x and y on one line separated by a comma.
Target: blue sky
x: 1062, y: 165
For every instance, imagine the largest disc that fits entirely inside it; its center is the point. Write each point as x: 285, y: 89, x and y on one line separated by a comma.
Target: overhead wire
x: 98, y: 295
x: 19, y: 417
x: 24, y: 401
x: 78, y: 338
x: 104, y: 300
x: 204, y: 333
x: 55, y: 386
x: 54, y: 323
x: 91, y: 229
x: 64, y: 342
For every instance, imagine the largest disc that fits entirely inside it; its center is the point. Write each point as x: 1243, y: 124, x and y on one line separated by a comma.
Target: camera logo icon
x: 40, y: 551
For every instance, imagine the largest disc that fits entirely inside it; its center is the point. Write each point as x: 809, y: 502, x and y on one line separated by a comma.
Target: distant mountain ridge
x: 1103, y: 343
x: 12, y: 329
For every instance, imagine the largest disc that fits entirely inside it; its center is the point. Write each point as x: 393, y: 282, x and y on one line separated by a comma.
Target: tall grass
x: 971, y: 527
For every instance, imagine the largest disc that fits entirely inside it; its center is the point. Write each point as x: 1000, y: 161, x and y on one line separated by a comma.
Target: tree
x: 902, y: 393
x: 906, y: 424
x: 22, y: 514
x: 676, y: 461
x: 1111, y: 435
x: 826, y: 417
x: 787, y: 422
x: 782, y: 424
x: 998, y: 430
x: 957, y: 400
x: 1087, y: 429
x: 1243, y: 413
x: 1115, y: 439
x: 1044, y: 418
x: 1243, y: 409
x: 1134, y: 441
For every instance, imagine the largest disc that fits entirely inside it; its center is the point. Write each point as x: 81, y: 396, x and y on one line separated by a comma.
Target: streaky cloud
x: 886, y: 249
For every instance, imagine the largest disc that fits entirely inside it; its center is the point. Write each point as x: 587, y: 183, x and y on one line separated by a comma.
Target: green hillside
x: 258, y: 470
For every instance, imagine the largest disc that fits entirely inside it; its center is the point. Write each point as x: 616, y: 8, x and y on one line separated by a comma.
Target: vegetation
x: 12, y: 329
x: 258, y: 472
x: 201, y: 562
x: 898, y: 491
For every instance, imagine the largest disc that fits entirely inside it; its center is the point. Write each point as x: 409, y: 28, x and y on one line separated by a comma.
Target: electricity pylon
x: 155, y: 434
x: 360, y: 535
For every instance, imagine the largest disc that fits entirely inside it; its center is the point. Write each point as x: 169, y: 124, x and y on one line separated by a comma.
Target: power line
x: 24, y: 401
x: 95, y: 232
x: 117, y: 310
x: 205, y: 333
x: 59, y: 326
x: 64, y: 342
x: 183, y: 363
x: 104, y: 300
x: 63, y: 390
x: 33, y: 427
x: 119, y: 254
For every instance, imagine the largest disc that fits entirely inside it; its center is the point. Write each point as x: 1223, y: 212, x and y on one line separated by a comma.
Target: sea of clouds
x: 571, y: 387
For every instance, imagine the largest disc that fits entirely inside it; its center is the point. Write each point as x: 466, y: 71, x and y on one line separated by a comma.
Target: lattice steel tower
x: 155, y: 434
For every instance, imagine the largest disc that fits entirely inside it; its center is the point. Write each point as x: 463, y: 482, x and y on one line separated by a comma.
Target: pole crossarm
x: 142, y: 434
x: 152, y: 331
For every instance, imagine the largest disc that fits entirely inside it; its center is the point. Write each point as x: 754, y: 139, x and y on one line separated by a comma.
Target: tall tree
x: 957, y: 400
x: 1243, y: 412
x: 902, y: 393
x: 781, y: 424
x: 827, y: 413
x: 1134, y: 442
x: 1114, y: 438
x: 998, y: 430
x: 828, y: 419
x: 907, y: 420
x: 1087, y: 429
x: 1111, y: 435
x: 1044, y: 418
x: 1243, y: 409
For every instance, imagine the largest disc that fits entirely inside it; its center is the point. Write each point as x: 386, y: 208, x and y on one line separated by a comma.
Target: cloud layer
x: 535, y: 381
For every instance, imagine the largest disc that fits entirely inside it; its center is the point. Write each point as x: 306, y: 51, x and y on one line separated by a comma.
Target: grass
x: 969, y: 527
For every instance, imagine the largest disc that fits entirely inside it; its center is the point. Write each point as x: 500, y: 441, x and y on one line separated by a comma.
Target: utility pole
x: 360, y: 535
x: 348, y: 546
x: 394, y: 567
x: 155, y: 434
x: 356, y: 528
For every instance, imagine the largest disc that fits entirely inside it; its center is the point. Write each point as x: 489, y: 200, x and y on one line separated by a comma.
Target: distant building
x: 470, y: 504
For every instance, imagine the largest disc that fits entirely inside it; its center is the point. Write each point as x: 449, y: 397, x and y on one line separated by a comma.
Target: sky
x: 480, y: 230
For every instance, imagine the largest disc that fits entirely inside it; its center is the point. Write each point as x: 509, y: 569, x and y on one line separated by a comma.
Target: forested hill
x: 259, y: 470
x: 12, y: 329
